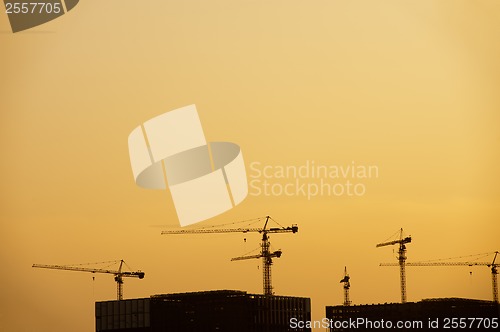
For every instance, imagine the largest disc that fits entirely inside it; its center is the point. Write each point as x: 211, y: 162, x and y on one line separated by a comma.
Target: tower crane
x: 267, y: 262
x: 401, y: 258
x: 119, y: 274
x: 266, y: 255
x: 492, y: 265
x: 347, y: 285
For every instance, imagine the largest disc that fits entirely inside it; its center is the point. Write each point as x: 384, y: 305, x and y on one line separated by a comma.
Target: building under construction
x: 426, y: 315
x: 224, y: 310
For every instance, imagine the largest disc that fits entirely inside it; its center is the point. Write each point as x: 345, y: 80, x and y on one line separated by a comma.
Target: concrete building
x: 223, y: 310
x: 426, y: 315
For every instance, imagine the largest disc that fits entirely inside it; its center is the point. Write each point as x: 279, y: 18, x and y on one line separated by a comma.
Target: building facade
x: 426, y: 315
x: 229, y: 311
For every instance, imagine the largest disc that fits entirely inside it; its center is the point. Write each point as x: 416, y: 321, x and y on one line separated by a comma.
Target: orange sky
x: 411, y: 87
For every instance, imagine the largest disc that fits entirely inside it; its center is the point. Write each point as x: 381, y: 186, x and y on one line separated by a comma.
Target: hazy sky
x: 411, y: 87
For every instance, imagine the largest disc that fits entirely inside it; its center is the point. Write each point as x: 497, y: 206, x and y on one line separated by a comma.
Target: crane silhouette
x: 493, y: 265
x: 401, y: 258
x: 119, y: 274
x: 266, y: 255
x: 347, y: 285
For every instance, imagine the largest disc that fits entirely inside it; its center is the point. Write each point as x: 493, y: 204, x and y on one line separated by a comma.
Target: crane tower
x: 347, y: 285
x: 401, y: 258
x: 493, y: 265
x: 119, y: 274
x: 265, y: 254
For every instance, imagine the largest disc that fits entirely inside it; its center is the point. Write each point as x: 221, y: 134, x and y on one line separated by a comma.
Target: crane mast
x: 119, y: 274
x: 494, y: 282
x: 347, y: 285
x: 492, y: 265
x: 402, y: 259
x: 266, y: 255
x: 267, y: 262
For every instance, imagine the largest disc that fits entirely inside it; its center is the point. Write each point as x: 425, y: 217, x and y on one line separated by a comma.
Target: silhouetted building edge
x: 429, y: 312
x: 222, y: 310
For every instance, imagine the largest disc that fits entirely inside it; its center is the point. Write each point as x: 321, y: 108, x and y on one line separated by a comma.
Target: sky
x: 408, y: 87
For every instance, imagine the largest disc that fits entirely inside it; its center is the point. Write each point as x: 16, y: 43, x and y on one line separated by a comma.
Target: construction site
x: 235, y: 310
